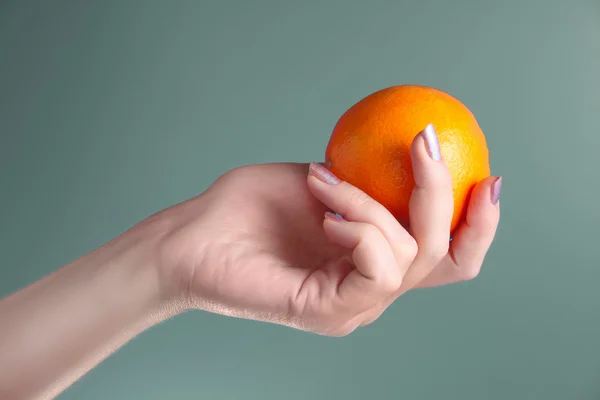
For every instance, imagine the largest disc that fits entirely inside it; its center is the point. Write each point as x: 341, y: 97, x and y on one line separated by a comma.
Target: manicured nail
x: 322, y: 174
x: 333, y: 216
x: 496, y: 186
x: 431, y: 142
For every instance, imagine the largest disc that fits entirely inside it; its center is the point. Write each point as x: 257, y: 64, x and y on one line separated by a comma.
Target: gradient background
x: 112, y: 110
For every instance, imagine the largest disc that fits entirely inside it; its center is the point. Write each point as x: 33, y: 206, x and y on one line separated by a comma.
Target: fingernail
x: 431, y: 142
x: 495, y: 192
x: 333, y: 216
x: 322, y: 174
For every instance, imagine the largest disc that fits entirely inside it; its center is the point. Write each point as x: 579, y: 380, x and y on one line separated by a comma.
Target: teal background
x: 112, y: 110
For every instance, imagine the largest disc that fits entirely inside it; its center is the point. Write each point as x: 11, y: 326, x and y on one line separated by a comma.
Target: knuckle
x: 233, y: 174
x: 436, y: 252
x: 392, y: 282
x: 409, y: 249
x: 470, y: 273
x: 358, y: 198
x: 440, y: 182
x: 370, y: 233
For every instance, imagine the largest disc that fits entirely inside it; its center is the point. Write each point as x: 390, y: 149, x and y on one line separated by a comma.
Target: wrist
x: 157, y: 248
x: 137, y: 254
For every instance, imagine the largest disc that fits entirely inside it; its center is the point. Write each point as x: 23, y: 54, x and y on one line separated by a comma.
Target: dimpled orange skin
x: 370, y: 146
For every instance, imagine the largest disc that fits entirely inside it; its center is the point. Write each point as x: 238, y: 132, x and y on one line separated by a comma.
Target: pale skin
x: 261, y: 243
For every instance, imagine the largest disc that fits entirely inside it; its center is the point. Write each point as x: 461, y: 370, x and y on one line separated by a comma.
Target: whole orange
x: 370, y: 145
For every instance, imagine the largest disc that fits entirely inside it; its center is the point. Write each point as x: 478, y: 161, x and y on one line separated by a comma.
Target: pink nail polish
x: 322, y: 174
x: 432, y: 143
x: 333, y: 216
x: 495, y: 192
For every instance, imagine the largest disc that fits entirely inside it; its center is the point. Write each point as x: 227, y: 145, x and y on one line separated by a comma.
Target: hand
x: 260, y: 243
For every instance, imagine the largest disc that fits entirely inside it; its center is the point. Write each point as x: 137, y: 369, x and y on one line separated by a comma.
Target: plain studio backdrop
x: 112, y: 110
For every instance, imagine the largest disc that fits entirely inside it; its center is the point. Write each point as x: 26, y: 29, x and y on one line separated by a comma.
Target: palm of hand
x: 269, y: 258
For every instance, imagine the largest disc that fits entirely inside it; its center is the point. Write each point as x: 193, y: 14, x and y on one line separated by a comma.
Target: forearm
x: 55, y: 330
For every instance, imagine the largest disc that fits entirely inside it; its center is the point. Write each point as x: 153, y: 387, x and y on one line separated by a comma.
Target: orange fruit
x: 370, y: 145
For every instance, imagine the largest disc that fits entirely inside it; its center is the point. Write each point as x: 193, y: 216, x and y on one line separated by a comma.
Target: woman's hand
x: 262, y: 243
